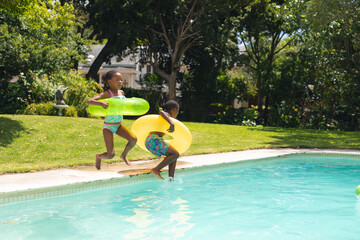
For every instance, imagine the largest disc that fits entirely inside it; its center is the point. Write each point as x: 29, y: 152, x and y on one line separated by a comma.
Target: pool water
x: 289, y: 198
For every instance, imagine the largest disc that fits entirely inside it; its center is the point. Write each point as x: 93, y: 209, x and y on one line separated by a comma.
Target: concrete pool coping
x: 82, y: 174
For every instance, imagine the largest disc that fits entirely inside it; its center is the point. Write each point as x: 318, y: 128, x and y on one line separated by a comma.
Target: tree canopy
x: 265, y: 29
x: 121, y: 24
x: 42, y: 37
x: 302, y: 56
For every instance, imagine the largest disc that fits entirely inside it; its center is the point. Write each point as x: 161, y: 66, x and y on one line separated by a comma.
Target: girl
x: 157, y: 145
x: 112, y: 124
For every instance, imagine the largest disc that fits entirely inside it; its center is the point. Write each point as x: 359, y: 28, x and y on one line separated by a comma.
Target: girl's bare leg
x: 171, y: 156
x: 124, y: 132
x: 110, y: 151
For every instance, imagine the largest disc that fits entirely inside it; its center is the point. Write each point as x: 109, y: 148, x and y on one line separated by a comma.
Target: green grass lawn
x: 45, y: 142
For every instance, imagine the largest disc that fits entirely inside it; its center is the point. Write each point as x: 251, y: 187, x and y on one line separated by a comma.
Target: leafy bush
x: 38, y: 87
x: 70, y: 112
x: 152, y: 85
x: 245, y: 117
x: 11, y: 99
x: 31, y: 88
x: 285, y: 115
x: 40, y: 109
x: 79, y: 89
x: 212, y: 90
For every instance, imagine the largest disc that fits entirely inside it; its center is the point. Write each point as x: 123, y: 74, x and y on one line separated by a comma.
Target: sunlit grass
x: 45, y: 142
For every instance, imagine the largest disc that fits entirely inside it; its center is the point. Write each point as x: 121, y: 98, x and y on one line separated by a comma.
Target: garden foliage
x: 37, y: 45
x: 301, y: 59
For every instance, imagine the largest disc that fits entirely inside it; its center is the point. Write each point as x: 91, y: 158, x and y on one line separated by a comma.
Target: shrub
x: 40, y: 109
x: 32, y: 87
x: 245, y: 116
x: 38, y: 87
x: 285, y: 115
x: 70, y: 112
x: 152, y: 91
x: 79, y: 89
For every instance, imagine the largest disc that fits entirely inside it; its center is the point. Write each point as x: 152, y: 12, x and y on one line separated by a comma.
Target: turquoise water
x: 300, y: 198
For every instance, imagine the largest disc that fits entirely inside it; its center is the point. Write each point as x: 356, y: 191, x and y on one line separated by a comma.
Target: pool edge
x: 23, y: 195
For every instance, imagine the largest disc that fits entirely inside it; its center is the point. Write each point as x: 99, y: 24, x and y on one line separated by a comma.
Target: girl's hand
x: 105, y: 105
x: 171, y: 128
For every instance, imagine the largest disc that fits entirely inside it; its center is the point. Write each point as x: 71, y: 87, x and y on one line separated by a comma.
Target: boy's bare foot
x: 125, y: 160
x: 156, y: 173
x: 98, y: 162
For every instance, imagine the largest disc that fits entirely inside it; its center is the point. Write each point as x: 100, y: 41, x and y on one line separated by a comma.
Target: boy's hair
x: 109, y: 75
x: 171, y: 104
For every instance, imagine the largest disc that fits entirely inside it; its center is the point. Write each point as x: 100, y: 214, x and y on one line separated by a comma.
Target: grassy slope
x: 45, y: 142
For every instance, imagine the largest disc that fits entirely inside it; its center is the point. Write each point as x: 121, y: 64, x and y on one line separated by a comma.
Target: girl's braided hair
x: 108, y: 76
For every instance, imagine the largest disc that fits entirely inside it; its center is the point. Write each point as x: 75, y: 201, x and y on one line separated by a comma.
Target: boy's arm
x: 168, y: 119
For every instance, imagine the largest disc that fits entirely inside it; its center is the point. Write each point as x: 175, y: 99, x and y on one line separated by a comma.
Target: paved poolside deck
x: 43, y: 179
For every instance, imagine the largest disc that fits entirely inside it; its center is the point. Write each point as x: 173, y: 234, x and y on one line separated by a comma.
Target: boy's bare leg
x: 156, y: 172
x: 172, y: 167
x: 171, y: 156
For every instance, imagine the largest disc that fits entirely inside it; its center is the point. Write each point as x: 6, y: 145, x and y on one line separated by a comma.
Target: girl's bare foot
x: 98, y: 162
x: 156, y: 173
x: 125, y: 160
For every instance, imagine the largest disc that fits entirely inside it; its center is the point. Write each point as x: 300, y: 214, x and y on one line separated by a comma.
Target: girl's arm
x: 95, y: 100
x: 166, y: 116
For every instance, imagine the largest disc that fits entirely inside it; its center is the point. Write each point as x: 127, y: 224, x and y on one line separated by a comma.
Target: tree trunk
x: 170, y: 78
x: 100, y: 59
x: 260, y: 102
x: 266, y: 112
x: 172, y: 86
x: 76, y: 65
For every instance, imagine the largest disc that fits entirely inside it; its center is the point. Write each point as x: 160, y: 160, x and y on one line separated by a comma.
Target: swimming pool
x: 302, y: 196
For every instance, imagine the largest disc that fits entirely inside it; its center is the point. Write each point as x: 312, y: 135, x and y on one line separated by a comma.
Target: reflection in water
x: 141, y: 221
x: 150, y: 210
x: 181, y: 218
x: 141, y: 218
x: 357, y: 207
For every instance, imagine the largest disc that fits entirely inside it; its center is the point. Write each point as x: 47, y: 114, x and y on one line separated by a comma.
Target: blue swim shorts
x: 156, y: 145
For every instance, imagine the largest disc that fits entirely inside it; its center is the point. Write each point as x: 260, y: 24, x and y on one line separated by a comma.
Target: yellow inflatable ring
x: 181, y: 137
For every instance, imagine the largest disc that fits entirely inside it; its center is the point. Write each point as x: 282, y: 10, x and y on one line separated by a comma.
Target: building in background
x: 129, y: 67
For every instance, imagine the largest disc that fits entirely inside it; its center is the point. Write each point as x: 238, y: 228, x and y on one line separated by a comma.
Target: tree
x: 39, y: 38
x: 319, y: 77
x: 178, y: 27
x: 163, y: 31
x: 83, y: 28
x: 171, y: 33
x: 15, y: 6
x: 265, y: 29
x: 217, y: 52
x: 333, y: 34
x: 120, y: 23
x: 336, y: 25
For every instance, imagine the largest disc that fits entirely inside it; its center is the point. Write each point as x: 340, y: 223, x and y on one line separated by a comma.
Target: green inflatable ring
x: 120, y: 106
